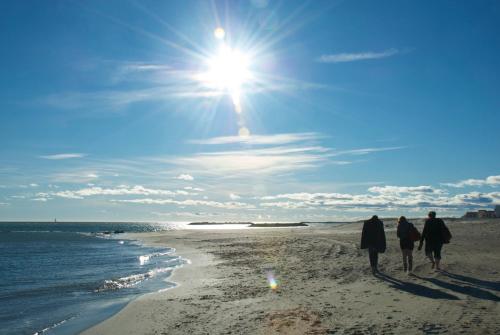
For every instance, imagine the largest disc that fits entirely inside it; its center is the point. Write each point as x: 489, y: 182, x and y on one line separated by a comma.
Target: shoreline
x: 324, y: 285
x: 184, y: 277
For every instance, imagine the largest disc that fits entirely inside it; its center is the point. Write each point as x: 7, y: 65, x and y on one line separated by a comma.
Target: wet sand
x: 324, y: 285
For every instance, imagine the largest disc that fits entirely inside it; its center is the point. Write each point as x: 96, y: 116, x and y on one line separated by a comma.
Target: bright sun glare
x: 228, y: 70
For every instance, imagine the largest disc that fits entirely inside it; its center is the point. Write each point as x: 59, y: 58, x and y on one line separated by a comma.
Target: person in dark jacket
x: 373, y: 239
x: 433, y: 236
x: 406, y: 243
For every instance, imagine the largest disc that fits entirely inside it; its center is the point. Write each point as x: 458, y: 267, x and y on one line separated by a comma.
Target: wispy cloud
x: 366, y: 151
x: 18, y: 196
x: 111, y: 100
x: 352, y: 57
x: 160, y: 83
x: 74, y: 177
x: 258, y: 161
x: 267, y: 160
x: 277, y: 139
x: 63, y: 156
x: 489, y: 181
x: 143, y: 66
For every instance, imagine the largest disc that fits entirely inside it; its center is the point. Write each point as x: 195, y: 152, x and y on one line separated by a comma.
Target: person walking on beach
x: 435, y: 234
x: 406, y: 232
x: 373, y: 239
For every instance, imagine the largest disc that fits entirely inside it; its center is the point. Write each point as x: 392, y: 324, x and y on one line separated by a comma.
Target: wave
x: 53, y: 326
x: 132, y: 280
x: 145, y: 258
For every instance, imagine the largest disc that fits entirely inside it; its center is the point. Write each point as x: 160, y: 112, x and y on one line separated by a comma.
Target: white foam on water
x: 52, y: 327
x: 132, y: 280
x: 143, y: 259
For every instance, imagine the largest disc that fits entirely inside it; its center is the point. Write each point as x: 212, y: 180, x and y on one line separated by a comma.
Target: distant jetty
x: 218, y: 223
x: 278, y: 225
x: 252, y: 225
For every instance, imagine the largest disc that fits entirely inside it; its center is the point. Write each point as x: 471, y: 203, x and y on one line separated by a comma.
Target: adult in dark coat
x: 406, y: 243
x: 373, y: 239
x: 433, y: 237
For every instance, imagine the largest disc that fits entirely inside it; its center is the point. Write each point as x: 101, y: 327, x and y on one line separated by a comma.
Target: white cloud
x: 402, y: 198
x: 33, y: 185
x: 189, y: 202
x: 304, y: 196
x: 40, y: 199
x: 489, y: 181
x: 286, y: 205
x: 4, y: 204
x: 278, y: 139
x: 63, y: 156
x: 99, y: 191
x: 396, y: 190
x: 352, y: 57
x: 196, y: 189
x: 186, y: 177
x: 233, y: 196
x: 184, y: 192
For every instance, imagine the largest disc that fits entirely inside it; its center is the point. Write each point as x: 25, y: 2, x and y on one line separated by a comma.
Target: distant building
x: 485, y: 214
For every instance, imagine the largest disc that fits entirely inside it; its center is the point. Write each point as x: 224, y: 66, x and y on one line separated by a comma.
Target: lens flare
x: 219, y: 33
x: 243, y: 132
x: 273, y: 283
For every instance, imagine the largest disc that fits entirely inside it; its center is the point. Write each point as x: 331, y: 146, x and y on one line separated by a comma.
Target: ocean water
x: 61, y: 278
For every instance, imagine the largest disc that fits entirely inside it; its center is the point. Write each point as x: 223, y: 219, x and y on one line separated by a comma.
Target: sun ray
x: 182, y: 36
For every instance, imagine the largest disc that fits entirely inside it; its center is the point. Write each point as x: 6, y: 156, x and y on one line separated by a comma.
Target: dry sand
x: 325, y: 286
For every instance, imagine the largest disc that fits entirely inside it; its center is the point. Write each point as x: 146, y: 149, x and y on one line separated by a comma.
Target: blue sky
x: 320, y: 110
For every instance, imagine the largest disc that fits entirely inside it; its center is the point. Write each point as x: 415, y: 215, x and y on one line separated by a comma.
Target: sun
x: 228, y: 70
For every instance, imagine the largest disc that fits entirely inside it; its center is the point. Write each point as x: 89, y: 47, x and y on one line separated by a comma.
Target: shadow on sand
x: 485, y: 284
x: 463, y: 289
x: 416, y: 289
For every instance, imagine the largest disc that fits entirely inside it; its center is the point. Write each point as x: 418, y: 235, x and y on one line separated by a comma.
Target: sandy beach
x: 324, y: 285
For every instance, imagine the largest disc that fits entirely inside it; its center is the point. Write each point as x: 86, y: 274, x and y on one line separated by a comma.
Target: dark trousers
x: 373, y: 254
x: 433, y: 249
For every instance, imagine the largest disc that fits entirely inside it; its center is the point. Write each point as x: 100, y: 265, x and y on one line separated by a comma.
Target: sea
x: 62, y: 278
